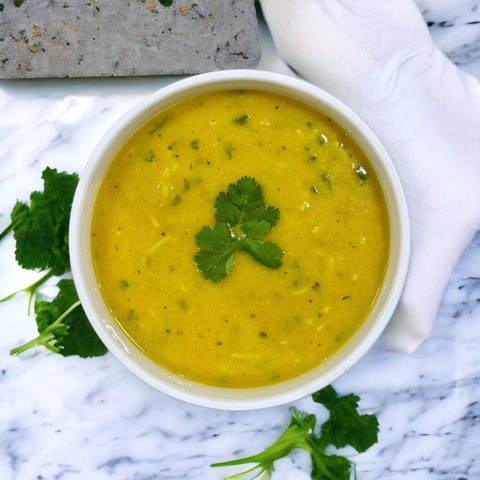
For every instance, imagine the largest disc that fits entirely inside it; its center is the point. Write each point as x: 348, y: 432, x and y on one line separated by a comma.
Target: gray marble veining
x: 456, y: 31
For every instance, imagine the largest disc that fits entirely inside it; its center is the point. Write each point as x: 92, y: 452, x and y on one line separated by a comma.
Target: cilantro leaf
x: 41, y: 233
x: 241, y: 220
x: 225, y: 210
x: 63, y: 326
x: 215, y: 258
x: 300, y: 433
x: 238, y: 201
x: 246, y: 194
x: 330, y: 467
x: 256, y: 229
x: 345, y: 425
x: 264, y: 212
x: 268, y: 253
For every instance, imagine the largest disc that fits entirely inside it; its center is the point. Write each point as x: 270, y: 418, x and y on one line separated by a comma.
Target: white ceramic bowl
x: 229, y: 398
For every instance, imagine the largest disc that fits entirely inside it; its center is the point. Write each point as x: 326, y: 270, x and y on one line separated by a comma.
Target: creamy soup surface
x: 258, y: 326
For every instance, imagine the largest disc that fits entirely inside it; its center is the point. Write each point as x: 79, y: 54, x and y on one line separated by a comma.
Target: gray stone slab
x: 81, y: 38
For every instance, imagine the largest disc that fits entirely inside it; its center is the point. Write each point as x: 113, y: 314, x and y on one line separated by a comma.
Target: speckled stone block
x: 75, y: 38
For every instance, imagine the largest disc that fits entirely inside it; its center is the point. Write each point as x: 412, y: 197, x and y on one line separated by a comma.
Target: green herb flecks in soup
x: 259, y: 325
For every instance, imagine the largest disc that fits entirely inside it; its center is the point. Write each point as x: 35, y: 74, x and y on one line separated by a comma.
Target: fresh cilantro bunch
x: 242, y: 219
x: 40, y: 230
x: 345, y: 426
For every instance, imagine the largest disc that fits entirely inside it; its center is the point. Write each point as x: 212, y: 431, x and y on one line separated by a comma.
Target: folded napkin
x: 377, y: 56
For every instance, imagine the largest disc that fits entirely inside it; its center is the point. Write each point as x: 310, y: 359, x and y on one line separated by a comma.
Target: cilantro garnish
x: 242, y: 219
x: 41, y: 229
x: 63, y: 326
x: 345, y: 426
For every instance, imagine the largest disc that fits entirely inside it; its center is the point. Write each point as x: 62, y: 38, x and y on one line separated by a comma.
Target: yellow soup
x: 259, y: 325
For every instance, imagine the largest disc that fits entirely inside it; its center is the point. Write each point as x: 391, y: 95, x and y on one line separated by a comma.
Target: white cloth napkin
x: 377, y: 56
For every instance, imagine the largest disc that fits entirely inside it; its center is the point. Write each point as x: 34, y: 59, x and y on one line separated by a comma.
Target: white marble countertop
x: 72, y: 418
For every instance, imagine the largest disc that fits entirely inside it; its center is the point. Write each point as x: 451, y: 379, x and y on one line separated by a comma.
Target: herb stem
x: 34, y: 286
x: 7, y: 231
x: 243, y: 474
x: 30, y: 289
x: 58, y: 321
x: 42, y: 339
x: 47, y: 335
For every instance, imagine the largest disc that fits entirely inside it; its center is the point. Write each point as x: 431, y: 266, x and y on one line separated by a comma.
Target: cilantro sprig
x: 242, y: 219
x: 345, y: 426
x: 63, y: 326
x: 40, y: 230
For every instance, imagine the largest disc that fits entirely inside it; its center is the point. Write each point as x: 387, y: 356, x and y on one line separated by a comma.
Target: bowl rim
x: 232, y: 398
